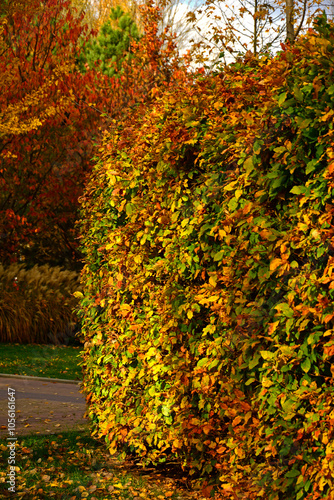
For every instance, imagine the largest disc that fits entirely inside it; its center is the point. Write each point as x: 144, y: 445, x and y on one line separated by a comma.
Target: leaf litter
x: 73, y: 465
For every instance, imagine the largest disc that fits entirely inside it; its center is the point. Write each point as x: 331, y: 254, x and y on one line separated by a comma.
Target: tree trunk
x: 290, y: 32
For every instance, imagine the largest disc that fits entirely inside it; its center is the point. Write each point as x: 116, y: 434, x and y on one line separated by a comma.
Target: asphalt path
x: 42, y: 407
x: 33, y: 389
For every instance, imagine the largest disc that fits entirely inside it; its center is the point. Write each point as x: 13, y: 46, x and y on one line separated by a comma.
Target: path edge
x: 44, y: 379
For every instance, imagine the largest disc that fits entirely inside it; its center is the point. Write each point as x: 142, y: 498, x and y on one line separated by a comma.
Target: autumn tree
x: 249, y: 25
x: 52, y: 119
x: 258, y: 26
x: 41, y: 173
x: 175, y: 17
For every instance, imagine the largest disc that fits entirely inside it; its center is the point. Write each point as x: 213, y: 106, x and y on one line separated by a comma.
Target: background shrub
x: 208, y: 288
x: 37, y: 305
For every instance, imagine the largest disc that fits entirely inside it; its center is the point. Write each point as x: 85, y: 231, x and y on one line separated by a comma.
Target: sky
x: 243, y: 29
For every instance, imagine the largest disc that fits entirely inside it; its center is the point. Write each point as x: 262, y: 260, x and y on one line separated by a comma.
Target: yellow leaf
x: 272, y: 327
x: 325, y: 438
x: 274, y: 264
x: 266, y: 382
x: 213, y: 280
x: 218, y: 105
x: 239, y: 452
x: 238, y: 193
x: 151, y: 352
x: 327, y: 115
x: 288, y: 145
x: 213, y: 298
x: 249, y: 165
x: 190, y: 314
x: 124, y: 307
x: 184, y: 402
x: 231, y: 186
x: 315, y: 234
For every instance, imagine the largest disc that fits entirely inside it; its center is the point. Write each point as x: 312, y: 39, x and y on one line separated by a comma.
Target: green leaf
x: 306, y: 365
x: 257, y: 147
x: 249, y: 165
x: 310, y: 167
x: 298, y: 93
x: 292, y: 473
x: 303, y: 122
x: 254, y: 362
x: 218, y: 256
x: 288, y: 405
x: 285, y: 309
x: 280, y: 149
x: 232, y: 204
x: 298, y: 190
x: 250, y: 381
x: 281, y: 98
x: 214, y: 363
x: 130, y: 208
x: 202, y: 362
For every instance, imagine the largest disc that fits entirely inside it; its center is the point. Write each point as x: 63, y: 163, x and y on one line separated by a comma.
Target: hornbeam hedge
x: 207, y: 311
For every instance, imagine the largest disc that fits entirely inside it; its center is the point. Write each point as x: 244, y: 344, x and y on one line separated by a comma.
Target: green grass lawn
x: 73, y: 465
x: 41, y: 360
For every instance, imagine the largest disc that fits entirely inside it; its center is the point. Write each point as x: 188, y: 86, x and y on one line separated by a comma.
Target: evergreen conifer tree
x: 112, y: 44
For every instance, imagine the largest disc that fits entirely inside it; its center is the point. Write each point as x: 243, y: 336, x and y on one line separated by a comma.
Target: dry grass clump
x: 37, y: 305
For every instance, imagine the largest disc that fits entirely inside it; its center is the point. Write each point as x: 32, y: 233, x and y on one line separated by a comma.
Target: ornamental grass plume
x: 37, y: 305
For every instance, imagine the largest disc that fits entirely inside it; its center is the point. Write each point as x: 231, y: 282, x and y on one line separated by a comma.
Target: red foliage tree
x: 40, y: 122
x: 52, y: 118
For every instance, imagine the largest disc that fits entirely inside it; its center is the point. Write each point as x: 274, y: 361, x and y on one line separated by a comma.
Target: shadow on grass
x: 73, y: 465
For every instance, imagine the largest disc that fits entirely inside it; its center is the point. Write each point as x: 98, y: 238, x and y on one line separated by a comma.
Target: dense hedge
x: 207, y: 313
